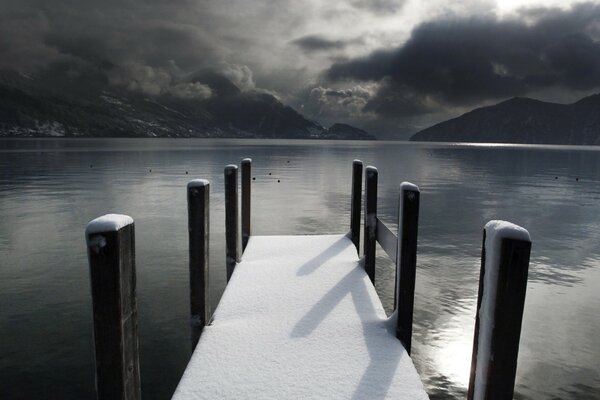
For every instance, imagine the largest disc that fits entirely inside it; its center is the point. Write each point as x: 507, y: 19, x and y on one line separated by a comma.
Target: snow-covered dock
x: 300, y: 319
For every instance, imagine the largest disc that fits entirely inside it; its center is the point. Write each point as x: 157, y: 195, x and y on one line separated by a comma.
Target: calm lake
x: 51, y: 188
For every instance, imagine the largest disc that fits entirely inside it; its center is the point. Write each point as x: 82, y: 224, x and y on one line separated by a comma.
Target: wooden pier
x: 300, y: 317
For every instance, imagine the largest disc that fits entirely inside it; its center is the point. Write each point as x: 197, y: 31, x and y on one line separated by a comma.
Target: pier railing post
x: 370, y: 235
x: 246, y: 190
x: 111, y: 254
x: 406, y: 261
x: 198, y: 231
x: 500, y: 302
x: 355, y: 203
x: 232, y: 232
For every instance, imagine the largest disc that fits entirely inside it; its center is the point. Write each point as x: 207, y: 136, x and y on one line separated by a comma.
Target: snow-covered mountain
x: 91, y: 107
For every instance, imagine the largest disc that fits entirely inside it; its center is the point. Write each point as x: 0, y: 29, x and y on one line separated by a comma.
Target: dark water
x: 49, y: 190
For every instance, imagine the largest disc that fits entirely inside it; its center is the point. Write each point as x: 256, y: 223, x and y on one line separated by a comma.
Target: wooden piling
x: 406, y: 261
x: 370, y: 235
x: 355, y: 203
x: 198, y: 231
x: 246, y: 190
x: 232, y: 231
x: 111, y: 254
x: 496, y: 338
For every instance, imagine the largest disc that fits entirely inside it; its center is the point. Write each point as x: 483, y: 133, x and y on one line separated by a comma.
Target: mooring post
x: 406, y: 261
x: 355, y: 203
x: 198, y: 231
x: 232, y: 232
x: 111, y: 254
x: 370, y: 235
x: 500, y: 302
x: 246, y: 190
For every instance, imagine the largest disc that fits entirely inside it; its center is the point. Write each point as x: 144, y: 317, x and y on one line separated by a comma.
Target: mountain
x: 523, y: 120
x: 91, y: 107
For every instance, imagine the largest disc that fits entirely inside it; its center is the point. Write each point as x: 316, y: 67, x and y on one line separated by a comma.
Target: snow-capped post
x: 355, y: 203
x: 406, y: 261
x: 370, y: 235
x: 500, y: 302
x: 246, y: 190
x: 111, y: 254
x: 198, y: 232
x: 232, y: 231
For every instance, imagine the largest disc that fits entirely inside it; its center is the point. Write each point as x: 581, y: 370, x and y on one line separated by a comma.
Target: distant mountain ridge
x: 90, y: 107
x: 525, y: 121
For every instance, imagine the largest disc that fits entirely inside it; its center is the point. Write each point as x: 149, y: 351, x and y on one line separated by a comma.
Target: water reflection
x: 49, y: 190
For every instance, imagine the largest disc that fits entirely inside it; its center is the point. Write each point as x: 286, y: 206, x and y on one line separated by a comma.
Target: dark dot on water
x: 253, y: 178
x: 288, y: 161
x: 91, y: 165
x: 149, y: 170
x: 186, y: 172
x: 556, y: 177
x: 577, y: 179
x: 278, y: 180
x: 269, y: 173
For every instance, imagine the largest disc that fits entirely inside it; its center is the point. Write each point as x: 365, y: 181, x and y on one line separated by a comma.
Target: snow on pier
x: 300, y: 319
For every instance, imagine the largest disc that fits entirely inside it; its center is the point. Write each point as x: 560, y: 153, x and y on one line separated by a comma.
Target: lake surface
x: 51, y: 188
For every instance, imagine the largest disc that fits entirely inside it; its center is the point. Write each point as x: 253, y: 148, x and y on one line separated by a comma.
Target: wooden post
x: 246, y: 190
x: 111, y: 254
x: 500, y: 303
x: 406, y: 261
x: 232, y: 230
x: 198, y: 230
x: 357, y: 167
x: 370, y: 235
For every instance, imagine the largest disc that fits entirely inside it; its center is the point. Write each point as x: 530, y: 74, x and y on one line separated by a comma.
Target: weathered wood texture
x: 246, y: 200
x: 112, y: 270
x: 370, y: 235
x: 504, y: 324
x: 232, y: 225
x: 406, y: 264
x: 388, y: 240
x: 355, y: 203
x: 198, y: 232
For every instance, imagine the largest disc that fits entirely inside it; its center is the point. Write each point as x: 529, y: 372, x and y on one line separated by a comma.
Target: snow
x: 408, y: 186
x: 300, y: 319
x: 197, y: 183
x: 495, y: 231
x: 111, y: 100
x: 108, y: 223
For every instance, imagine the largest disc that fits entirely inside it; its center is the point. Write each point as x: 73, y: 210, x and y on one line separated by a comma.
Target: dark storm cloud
x: 146, y: 46
x: 465, y: 61
x: 379, y: 6
x: 154, y: 46
x: 108, y: 32
x: 312, y: 43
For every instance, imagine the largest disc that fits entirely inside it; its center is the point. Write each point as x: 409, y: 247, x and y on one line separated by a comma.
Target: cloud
x: 379, y: 6
x: 22, y: 40
x: 312, y: 43
x: 240, y: 75
x: 463, y: 61
x: 156, y: 81
x: 410, y: 58
x: 326, y: 102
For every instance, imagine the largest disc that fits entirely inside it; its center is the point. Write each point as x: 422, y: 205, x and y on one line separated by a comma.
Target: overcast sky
x: 384, y: 65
